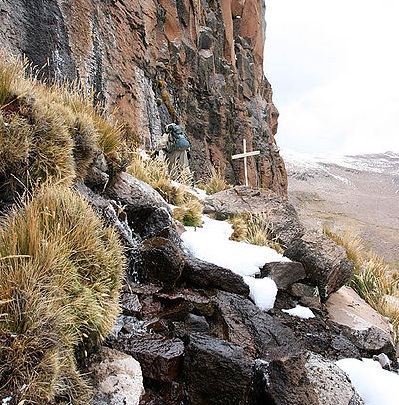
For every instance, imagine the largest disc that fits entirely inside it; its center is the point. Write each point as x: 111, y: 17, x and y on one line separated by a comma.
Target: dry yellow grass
x: 60, y: 277
x: 154, y: 171
x: 372, y: 278
x: 240, y: 230
x: 256, y: 229
x: 260, y: 232
x: 189, y: 213
x: 216, y: 183
x: 49, y: 131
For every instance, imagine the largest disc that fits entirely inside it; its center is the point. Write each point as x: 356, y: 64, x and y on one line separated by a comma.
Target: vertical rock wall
x: 197, y: 62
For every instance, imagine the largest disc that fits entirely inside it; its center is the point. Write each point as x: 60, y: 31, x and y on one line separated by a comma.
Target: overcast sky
x: 334, y: 70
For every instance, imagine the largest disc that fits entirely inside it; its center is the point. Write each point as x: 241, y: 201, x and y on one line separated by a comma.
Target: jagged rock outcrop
x: 325, y: 263
x: 198, y: 336
x: 200, y: 339
x: 197, y: 62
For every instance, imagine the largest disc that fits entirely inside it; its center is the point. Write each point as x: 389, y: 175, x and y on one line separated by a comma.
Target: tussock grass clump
x: 60, y: 277
x: 147, y: 169
x: 216, y: 183
x: 12, y: 78
x: 372, y: 278
x: 351, y: 242
x: 240, y: 229
x: 259, y: 231
x: 256, y: 229
x: 49, y: 131
x: 190, y: 213
x: 171, y: 193
x: 154, y: 171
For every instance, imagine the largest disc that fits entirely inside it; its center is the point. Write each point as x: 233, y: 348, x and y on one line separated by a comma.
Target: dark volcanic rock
x: 284, y: 381
x: 161, y: 261
x: 218, y: 372
x: 306, y: 294
x: 326, y: 263
x: 130, y: 303
x: 160, y: 358
x: 137, y: 198
x: 316, y: 334
x: 204, y: 274
x: 260, y: 334
x: 284, y: 274
x: 157, y: 223
x: 195, y: 323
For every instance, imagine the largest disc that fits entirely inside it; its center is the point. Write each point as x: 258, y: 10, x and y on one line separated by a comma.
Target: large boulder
x: 364, y: 326
x: 282, y: 220
x: 331, y: 385
x: 159, y: 261
x: 217, y: 371
x: 284, y: 274
x: 326, y: 264
x: 259, y: 333
x: 203, y: 274
x: 283, y: 381
x: 139, y: 201
x: 160, y: 358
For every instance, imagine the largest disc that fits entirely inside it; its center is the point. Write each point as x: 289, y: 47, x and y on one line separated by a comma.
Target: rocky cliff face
x: 197, y: 62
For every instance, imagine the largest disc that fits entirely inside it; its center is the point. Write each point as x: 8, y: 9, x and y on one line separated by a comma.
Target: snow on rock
x: 300, y: 312
x: 374, y: 384
x: 211, y: 243
x: 263, y: 291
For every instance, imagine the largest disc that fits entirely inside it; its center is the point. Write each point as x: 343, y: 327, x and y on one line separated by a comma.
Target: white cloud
x: 334, y: 71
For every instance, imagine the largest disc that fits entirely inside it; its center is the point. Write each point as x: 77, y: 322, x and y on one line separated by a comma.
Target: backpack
x: 180, y: 142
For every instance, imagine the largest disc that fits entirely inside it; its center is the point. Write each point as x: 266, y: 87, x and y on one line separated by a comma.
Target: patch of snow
x: 211, y: 243
x: 340, y: 178
x: 374, y: 384
x: 263, y: 291
x: 300, y: 312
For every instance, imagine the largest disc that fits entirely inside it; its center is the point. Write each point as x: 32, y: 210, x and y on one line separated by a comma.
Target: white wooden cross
x: 244, y: 155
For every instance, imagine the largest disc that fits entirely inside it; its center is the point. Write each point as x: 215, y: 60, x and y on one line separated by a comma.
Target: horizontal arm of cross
x: 246, y: 154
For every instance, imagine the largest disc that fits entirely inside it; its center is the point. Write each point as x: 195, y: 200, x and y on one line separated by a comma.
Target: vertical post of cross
x: 244, y: 155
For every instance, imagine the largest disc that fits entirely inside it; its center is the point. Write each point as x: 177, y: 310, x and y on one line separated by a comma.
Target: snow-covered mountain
x: 360, y: 193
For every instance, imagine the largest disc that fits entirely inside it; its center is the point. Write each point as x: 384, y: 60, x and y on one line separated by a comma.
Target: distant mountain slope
x: 356, y: 192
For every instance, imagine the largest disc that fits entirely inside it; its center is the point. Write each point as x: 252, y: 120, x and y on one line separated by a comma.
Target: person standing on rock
x: 176, y: 149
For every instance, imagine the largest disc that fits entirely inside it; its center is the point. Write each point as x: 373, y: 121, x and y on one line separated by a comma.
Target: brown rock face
x: 195, y: 62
